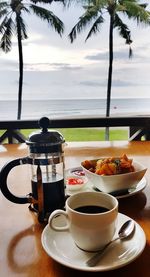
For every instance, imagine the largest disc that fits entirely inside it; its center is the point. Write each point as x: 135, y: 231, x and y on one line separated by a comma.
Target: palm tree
x: 12, y: 23
x: 94, y: 14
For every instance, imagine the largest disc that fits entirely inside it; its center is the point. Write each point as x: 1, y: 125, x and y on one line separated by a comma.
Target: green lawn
x: 93, y: 134
x: 87, y: 134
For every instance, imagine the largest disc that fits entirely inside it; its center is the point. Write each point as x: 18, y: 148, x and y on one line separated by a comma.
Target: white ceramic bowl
x: 75, y: 182
x: 116, y: 182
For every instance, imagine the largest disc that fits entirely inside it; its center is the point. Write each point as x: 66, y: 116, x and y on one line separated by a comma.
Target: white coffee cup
x: 90, y: 231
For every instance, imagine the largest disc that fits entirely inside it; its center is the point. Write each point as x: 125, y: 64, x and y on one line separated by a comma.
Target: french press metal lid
x: 45, y: 141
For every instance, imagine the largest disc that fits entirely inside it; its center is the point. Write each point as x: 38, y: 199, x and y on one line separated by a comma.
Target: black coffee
x: 53, y: 194
x: 91, y: 209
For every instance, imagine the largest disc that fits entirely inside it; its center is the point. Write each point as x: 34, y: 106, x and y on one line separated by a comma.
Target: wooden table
x: 21, y: 252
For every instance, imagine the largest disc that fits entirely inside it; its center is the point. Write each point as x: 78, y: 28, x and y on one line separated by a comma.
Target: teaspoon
x: 125, y: 231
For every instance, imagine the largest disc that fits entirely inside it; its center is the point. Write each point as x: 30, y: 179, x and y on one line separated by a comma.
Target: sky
x: 55, y: 68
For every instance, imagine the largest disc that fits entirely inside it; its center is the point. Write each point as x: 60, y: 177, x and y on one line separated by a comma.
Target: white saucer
x: 61, y: 247
x: 89, y: 187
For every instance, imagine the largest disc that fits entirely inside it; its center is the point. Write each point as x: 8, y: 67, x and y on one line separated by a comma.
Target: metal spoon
x: 125, y: 231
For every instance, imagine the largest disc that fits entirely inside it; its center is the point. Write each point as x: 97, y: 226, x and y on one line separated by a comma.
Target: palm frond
x: 101, y: 4
x: 123, y: 29
x: 48, y: 16
x: 2, y: 25
x: 84, y: 20
x: 144, y: 5
x: 97, y: 4
x: 3, y: 5
x: 41, y: 1
x: 47, y: 1
x: 130, y: 52
x: 3, y: 13
x: 137, y: 12
x: 25, y: 9
x: 131, y: 1
x: 22, y: 28
x: 6, y: 43
x: 95, y: 27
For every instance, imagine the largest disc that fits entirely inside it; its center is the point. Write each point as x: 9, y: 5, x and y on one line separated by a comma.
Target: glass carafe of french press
x: 46, y: 158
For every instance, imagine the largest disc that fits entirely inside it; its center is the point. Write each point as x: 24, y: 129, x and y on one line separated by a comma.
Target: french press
x: 46, y: 159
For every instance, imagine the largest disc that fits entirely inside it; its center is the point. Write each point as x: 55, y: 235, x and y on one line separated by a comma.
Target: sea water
x: 62, y: 108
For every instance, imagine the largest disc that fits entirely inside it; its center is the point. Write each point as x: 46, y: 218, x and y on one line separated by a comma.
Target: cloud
x: 50, y: 66
x: 115, y: 83
x: 118, y: 55
x: 7, y: 64
x: 91, y: 83
x: 14, y: 66
x: 120, y: 83
x: 97, y: 56
x: 66, y: 66
x: 138, y: 55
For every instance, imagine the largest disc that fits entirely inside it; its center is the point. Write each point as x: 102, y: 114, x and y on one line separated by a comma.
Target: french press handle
x: 3, y: 181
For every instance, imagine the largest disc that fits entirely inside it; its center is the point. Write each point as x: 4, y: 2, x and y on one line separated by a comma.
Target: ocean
x: 65, y: 108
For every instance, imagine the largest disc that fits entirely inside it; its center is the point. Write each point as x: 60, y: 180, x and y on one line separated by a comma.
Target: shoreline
x: 76, y: 116
x: 128, y: 114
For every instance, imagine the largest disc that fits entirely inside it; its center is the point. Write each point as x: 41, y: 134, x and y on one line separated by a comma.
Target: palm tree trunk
x: 109, y: 84
x: 20, y: 68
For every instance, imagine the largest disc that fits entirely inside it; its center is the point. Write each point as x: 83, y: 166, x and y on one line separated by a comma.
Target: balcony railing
x: 139, y: 126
